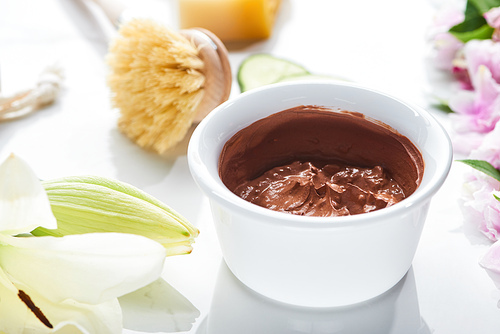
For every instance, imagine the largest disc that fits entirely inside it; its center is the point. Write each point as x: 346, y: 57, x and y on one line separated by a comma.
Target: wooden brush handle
x: 113, y: 9
x: 217, y: 70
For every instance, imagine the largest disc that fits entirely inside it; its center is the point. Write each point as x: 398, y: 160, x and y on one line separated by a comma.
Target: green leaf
x: 483, y: 32
x: 474, y: 25
x: 497, y: 198
x: 484, y: 167
x: 486, y: 5
x: 443, y: 107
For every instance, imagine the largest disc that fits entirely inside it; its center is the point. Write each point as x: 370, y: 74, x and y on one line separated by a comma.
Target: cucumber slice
x: 263, y: 69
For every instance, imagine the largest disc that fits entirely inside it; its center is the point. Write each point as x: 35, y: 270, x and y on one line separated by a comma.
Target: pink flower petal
x: 491, y: 263
x: 489, y: 149
x: 483, y: 52
x: 445, y: 44
x: 478, y: 110
x: 480, y: 209
x: 493, y: 17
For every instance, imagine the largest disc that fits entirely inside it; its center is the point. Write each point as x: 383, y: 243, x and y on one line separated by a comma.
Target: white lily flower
x: 56, y: 284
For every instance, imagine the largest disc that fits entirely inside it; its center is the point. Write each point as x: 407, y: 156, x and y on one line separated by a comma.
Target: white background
x: 377, y: 43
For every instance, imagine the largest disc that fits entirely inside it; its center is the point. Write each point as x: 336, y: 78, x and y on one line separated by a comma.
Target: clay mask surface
x: 312, y: 160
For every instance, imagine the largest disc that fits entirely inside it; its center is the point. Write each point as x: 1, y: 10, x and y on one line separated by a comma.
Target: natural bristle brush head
x: 163, y: 82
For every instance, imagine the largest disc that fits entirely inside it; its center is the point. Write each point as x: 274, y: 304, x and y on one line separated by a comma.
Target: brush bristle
x: 156, y: 83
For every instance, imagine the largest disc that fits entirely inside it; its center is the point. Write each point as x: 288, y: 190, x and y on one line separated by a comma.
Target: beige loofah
x: 157, y: 83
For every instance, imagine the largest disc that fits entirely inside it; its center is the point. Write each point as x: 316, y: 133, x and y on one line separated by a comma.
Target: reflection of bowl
x: 317, y: 261
x: 237, y: 309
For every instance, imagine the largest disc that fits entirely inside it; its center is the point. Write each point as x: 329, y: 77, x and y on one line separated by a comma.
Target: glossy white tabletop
x: 377, y: 43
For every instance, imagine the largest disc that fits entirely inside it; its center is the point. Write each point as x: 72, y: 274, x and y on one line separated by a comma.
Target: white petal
x: 6, y: 283
x: 24, y: 204
x: 88, y: 268
x: 66, y: 317
x: 13, y: 313
x: 71, y: 317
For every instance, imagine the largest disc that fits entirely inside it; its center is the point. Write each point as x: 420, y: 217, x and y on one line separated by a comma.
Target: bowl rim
x: 216, y: 190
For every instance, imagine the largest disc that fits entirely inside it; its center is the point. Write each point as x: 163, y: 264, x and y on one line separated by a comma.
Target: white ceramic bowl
x: 318, y: 261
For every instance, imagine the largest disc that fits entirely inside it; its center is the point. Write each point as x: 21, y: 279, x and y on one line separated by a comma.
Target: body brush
x: 164, y: 82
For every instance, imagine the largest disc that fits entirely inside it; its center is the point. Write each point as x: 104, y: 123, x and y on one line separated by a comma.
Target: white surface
x: 378, y: 43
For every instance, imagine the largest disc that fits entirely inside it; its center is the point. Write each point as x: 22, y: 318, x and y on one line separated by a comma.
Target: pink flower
x: 474, y: 54
x: 481, y: 210
x: 477, y: 111
x: 491, y: 263
x: 446, y: 45
x: 465, y: 142
x: 490, y: 148
x: 484, y: 52
x: 460, y: 72
x: 493, y: 19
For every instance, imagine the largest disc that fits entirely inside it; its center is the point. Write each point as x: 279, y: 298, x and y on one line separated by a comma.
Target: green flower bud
x: 86, y: 204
